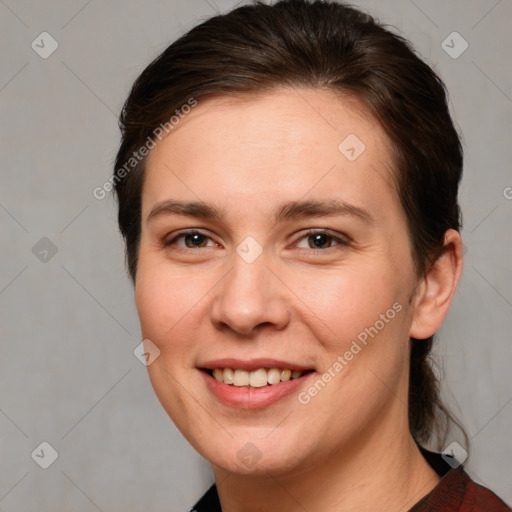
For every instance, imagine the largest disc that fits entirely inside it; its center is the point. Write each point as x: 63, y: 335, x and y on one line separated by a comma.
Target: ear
x: 435, y: 291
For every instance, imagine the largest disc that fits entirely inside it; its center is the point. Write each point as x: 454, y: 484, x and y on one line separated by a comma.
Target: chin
x: 251, y: 461
x: 254, y: 453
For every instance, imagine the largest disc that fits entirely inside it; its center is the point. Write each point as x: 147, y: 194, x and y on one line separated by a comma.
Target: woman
x: 287, y: 184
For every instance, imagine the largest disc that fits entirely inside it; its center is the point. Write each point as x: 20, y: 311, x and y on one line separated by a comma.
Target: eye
x: 192, y: 240
x: 313, y: 239
x: 321, y: 240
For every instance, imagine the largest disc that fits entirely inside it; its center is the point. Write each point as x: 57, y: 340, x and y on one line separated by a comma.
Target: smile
x: 253, y: 385
x: 254, y: 379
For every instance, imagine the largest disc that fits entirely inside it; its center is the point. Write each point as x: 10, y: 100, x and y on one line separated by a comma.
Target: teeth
x: 241, y: 378
x: 255, y: 379
x: 273, y: 376
x: 285, y: 375
x: 228, y: 375
x: 258, y: 379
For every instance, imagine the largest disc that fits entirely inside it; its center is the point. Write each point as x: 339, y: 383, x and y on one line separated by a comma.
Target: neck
x: 385, y: 472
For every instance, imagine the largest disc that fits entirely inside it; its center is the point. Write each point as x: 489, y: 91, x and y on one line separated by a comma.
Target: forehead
x: 294, y: 141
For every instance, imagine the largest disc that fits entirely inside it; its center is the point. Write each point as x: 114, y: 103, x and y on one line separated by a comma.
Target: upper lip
x: 252, y: 364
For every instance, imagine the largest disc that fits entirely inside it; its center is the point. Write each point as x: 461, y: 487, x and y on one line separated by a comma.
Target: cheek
x: 362, y: 318
x: 165, y: 304
x: 348, y: 300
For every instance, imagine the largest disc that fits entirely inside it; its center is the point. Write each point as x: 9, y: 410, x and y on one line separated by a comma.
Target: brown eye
x: 195, y: 240
x: 321, y: 240
x: 192, y: 240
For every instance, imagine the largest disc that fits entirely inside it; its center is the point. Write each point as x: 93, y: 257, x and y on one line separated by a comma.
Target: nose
x: 250, y: 295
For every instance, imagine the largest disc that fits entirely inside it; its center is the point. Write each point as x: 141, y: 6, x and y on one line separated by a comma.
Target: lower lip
x: 252, y: 398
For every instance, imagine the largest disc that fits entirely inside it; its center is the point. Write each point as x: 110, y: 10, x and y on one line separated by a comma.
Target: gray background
x: 68, y: 324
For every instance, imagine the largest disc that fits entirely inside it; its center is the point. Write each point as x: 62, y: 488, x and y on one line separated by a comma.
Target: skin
x: 349, y: 448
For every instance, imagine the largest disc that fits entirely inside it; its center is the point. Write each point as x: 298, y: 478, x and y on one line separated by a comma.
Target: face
x: 273, y: 241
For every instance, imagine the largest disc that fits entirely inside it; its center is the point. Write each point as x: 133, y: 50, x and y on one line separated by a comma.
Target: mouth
x: 256, y: 378
x: 255, y: 384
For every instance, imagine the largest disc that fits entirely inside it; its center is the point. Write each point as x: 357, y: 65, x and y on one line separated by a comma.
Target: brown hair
x: 333, y: 46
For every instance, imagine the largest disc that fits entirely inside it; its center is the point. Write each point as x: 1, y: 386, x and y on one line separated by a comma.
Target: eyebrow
x: 286, y: 211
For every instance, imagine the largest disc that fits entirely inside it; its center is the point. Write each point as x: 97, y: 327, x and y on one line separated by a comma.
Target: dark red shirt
x: 455, y: 492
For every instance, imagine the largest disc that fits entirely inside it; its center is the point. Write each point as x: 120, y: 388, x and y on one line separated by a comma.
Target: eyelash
x: 343, y: 240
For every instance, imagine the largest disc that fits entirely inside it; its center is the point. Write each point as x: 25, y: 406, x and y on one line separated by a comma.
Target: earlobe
x: 435, y: 292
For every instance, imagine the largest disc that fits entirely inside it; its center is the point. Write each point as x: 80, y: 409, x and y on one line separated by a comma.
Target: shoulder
x: 457, y: 492
x: 480, y: 498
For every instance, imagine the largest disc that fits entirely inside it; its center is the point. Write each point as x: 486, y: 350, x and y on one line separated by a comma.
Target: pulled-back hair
x: 331, y: 46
